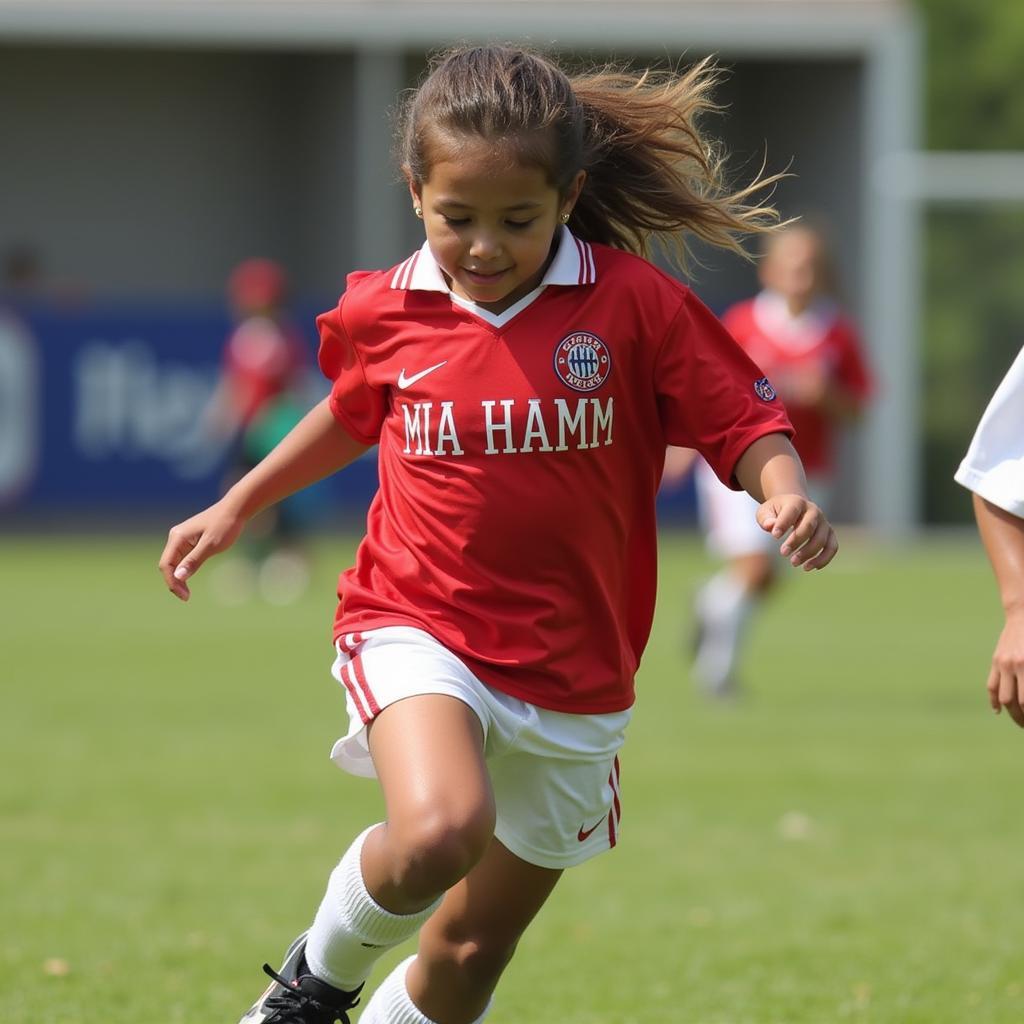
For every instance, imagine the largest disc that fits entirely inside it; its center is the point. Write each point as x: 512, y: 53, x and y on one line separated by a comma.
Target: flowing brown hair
x: 651, y: 173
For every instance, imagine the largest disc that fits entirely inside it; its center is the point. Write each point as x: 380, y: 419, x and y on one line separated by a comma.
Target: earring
x: 418, y: 210
x: 565, y: 217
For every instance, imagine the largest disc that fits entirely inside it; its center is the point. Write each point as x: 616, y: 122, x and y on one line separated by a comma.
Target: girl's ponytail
x: 651, y: 174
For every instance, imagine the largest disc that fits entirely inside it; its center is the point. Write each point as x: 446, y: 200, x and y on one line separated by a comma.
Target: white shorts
x: 729, y: 517
x: 555, y: 776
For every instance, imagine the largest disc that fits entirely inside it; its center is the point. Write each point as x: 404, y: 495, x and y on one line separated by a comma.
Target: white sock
x: 351, y: 931
x: 391, y: 1003
x: 724, y: 605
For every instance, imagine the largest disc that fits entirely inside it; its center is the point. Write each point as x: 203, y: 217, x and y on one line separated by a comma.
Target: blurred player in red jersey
x: 522, y: 374
x: 796, y: 332
x: 259, y: 399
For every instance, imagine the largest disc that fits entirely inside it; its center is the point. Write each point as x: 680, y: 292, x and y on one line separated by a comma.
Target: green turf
x: 842, y: 845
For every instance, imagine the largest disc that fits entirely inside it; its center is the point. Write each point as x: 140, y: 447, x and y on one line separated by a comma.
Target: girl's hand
x: 806, y: 386
x: 811, y: 542
x: 191, y: 543
x: 1006, y: 677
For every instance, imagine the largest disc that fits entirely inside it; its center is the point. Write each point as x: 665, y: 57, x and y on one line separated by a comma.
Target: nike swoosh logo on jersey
x: 584, y: 835
x: 405, y: 382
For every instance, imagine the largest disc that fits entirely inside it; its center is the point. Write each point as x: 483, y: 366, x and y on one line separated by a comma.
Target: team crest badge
x: 764, y: 390
x: 582, y: 361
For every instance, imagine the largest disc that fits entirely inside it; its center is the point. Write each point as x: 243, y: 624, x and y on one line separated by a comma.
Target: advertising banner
x: 105, y: 412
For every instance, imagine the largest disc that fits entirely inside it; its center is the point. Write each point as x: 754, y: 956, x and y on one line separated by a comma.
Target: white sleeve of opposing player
x: 994, y: 464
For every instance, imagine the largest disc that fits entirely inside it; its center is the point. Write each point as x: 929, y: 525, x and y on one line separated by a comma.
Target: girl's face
x: 490, y: 221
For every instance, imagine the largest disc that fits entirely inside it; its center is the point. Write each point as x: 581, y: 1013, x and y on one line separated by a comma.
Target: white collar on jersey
x: 573, y: 265
x: 798, y: 333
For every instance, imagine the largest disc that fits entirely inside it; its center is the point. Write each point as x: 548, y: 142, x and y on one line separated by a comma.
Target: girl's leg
x: 723, y: 607
x: 429, y: 756
x: 428, y: 753
x: 756, y: 571
x: 465, y: 945
x: 724, y: 602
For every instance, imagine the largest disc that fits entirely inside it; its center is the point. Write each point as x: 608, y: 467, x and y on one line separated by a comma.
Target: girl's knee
x: 757, y: 572
x: 437, y: 849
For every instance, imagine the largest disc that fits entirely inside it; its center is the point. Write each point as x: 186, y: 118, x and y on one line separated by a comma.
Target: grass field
x: 842, y: 845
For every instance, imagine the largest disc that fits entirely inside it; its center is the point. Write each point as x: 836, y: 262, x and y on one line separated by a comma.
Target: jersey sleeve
x: 355, y: 403
x: 711, y: 396
x: 993, y: 467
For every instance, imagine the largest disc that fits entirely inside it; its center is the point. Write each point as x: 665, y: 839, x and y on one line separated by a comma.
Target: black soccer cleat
x: 297, y: 997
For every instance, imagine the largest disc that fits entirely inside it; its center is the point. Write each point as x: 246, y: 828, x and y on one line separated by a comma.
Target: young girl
x: 795, y: 331
x: 522, y: 374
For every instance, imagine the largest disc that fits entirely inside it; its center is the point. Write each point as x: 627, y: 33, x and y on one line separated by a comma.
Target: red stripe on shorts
x: 353, y: 692
x: 364, y: 686
x: 613, y: 781
x: 350, y: 641
x: 615, y: 814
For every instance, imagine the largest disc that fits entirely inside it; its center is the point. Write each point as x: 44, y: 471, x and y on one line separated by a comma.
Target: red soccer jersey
x: 520, y: 456
x: 262, y: 359
x: 819, y: 340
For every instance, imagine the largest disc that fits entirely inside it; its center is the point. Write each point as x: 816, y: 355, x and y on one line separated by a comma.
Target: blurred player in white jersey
x: 993, y: 469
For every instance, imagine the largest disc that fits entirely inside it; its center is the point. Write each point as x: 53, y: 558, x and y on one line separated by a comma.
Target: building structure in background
x: 149, y: 146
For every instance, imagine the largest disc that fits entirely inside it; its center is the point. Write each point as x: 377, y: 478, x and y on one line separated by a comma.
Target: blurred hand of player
x: 811, y: 541
x: 806, y: 386
x: 1006, y: 677
x: 678, y: 463
x: 192, y: 542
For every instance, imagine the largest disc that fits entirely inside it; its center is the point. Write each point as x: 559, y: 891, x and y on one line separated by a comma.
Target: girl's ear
x: 577, y: 185
x: 572, y: 193
x: 414, y: 189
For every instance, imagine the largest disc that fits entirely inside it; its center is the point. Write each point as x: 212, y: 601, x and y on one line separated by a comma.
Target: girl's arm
x: 1002, y: 533
x: 678, y: 463
x: 771, y: 472
x: 316, y: 447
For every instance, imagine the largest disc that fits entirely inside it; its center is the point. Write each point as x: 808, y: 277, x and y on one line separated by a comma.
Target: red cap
x: 257, y: 284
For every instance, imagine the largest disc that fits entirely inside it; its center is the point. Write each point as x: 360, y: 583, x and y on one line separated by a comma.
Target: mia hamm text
x: 506, y: 429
